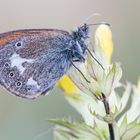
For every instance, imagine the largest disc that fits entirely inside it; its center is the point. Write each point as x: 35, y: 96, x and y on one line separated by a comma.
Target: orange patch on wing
x: 10, y: 36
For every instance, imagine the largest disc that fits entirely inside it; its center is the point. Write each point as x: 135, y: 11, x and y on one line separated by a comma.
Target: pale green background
x: 26, y: 120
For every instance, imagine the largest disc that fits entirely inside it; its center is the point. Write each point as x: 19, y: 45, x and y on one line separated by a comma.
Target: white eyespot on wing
x: 17, y: 61
x: 32, y: 85
x: 31, y: 81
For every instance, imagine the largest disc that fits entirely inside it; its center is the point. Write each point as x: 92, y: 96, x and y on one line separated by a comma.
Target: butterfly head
x: 81, y: 33
x: 80, y: 36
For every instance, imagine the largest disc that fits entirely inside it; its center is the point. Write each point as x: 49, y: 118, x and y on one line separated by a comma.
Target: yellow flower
x: 67, y: 85
x: 103, y: 36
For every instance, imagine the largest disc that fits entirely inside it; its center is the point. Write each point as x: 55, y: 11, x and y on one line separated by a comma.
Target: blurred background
x: 27, y: 120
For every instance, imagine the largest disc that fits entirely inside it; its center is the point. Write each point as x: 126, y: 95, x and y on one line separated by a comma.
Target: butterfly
x: 33, y: 60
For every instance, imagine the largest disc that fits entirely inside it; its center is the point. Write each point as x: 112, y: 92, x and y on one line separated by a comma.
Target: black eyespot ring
x: 6, y: 64
x: 19, y: 84
x: 18, y: 44
x: 11, y: 74
x: 28, y: 88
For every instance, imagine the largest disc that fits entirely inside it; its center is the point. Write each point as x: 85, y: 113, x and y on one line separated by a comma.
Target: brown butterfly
x: 31, y: 61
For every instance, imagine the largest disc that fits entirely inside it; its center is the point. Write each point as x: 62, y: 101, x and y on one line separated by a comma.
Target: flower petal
x: 112, y: 79
x: 103, y: 38
x: 67, y: 85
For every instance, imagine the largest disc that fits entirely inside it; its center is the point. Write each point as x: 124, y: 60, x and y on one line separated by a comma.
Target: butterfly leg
x: 80, y: 72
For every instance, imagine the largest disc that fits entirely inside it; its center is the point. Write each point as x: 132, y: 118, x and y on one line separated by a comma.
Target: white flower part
x: 83, y: 104
x: 17, y: 61
x: 134, y: 110
x: 114, y: 101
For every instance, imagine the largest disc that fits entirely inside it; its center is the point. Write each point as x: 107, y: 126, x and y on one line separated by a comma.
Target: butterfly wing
x: 31, y: 61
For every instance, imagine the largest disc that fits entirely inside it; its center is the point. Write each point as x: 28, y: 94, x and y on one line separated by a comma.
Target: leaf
x: 78, y: 79
x: 123, y: 102
x: 81, y: 105
x: 123, y: 126
x: 94, y: 69
x: 132, y: 132
x: 67, y: 130
x: 112, y: 79
x: 93, y: 88
x: 134, y: 110
x: 116, y: 132
x: 125, y: 97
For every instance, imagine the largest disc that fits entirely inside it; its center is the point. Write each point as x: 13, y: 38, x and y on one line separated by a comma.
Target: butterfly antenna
x: 93, y: 24
x: 80, y: 72
x: 89, y: 17
x: 95, y: 58
x: 105, y: 23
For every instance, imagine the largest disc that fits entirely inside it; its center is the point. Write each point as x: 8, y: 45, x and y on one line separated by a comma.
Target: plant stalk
x: 107, y: 109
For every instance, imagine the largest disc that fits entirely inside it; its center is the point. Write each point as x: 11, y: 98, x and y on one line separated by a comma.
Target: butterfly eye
x: 18, y: 84
x: 18, y: 44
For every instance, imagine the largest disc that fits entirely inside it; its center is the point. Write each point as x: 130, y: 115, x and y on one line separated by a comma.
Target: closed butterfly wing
x: 31, y: 61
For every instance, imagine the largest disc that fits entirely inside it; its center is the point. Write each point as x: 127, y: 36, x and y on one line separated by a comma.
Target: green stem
x: 110, y: 125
